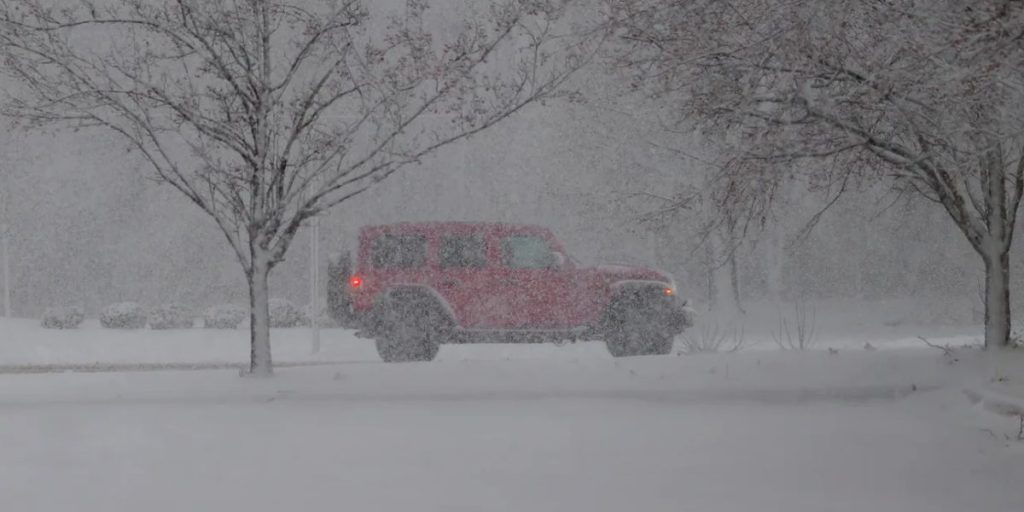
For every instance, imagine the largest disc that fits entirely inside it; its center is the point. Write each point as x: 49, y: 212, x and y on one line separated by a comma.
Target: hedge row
x: 131, y: 315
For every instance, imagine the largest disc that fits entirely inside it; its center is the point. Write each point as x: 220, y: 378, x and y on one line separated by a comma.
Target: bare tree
x: 265, y: 113
x: 928, y: 95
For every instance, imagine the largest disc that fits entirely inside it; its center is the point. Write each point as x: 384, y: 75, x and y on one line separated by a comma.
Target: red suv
x: 416, y: 285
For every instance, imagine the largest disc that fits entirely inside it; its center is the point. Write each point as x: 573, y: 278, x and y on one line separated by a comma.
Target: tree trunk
x: 722, y: 283
x: 776, y: 261
x: 734, y: 278
x: 997, y: 300
x: 260, y: 363
x: 995, y: 248
x: 709, y: 262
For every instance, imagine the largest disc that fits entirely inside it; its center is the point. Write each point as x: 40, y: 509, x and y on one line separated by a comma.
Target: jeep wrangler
x: 417, y: 285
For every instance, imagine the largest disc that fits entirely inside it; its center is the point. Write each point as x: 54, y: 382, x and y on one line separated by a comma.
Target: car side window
x: 463, y: 251
x: 399, y: 251
x: 525, y: 251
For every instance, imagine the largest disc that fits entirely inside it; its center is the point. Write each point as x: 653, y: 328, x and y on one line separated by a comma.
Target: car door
x: 463, y: 278
x: 535, y: 288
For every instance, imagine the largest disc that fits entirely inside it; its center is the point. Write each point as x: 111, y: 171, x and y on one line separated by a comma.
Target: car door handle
x: 449, y: 283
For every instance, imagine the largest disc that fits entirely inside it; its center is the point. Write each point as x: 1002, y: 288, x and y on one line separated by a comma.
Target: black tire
x: 639, y: 342
x: 412, y: 329
x: 634, y: 328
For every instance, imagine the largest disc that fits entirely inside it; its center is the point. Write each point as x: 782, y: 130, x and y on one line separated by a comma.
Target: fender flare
x: 639, y: 283
x: 620, y: 291
x: 425, y: 290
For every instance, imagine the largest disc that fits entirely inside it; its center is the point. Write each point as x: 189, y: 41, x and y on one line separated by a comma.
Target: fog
x: 89, y: 226
x: 701, y: 255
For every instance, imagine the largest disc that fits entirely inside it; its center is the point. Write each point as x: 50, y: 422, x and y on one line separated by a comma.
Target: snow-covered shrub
x: 709, y: 336
x: 224, y: 316
x: 284, y: 314
x: 63, y: 318
x: 171, y: 316
x: 796, y: 332
x: 123, y: 315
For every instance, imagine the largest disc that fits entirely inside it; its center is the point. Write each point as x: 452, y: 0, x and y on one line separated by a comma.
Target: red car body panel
x: 496, y: 296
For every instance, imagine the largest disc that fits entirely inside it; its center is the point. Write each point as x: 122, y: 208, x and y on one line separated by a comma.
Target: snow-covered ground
x: 729, y: 432
x: 507, y: 428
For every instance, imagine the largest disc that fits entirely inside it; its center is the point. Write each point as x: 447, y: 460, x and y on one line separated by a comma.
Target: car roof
x: 445, y: 226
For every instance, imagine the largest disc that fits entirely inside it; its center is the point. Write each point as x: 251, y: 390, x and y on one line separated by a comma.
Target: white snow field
x: 504, y: 428
x: 739, y: 432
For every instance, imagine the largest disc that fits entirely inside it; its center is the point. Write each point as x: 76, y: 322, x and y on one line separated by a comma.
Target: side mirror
x: 560, y: 260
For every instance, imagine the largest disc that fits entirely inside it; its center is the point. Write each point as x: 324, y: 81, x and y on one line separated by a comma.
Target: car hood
x: 624, y: 272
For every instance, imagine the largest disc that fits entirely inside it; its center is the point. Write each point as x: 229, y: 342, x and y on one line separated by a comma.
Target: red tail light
x: 355, y: 281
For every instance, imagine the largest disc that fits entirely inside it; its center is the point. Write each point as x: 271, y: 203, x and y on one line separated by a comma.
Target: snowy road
x: 671, y: 434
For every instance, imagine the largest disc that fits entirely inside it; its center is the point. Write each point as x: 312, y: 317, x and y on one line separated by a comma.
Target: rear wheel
x: 412, y: 330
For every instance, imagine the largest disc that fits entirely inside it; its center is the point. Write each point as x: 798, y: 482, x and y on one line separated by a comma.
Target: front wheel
x: 412, y: 331
x: 637, y: 328
x: 636, y: 342
x: 638, y: 323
